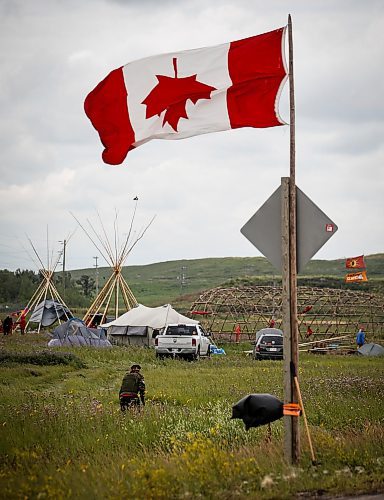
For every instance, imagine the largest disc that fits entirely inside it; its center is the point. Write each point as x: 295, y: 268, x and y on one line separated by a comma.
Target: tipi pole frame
x: 129, y: 298
x: 109, y: 295
x: 45, y: 287
x: 116, y: 285
x: 45, y: 298
x: 56, y: 295
x: 103, y: 297
x: 98, y: 301
x: 38, y: 297
x: 117, y: 295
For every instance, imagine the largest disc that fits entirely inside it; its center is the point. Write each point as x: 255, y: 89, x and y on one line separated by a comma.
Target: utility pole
x: 97, y: 275
x: 289, y: 279
x: 274, y: 230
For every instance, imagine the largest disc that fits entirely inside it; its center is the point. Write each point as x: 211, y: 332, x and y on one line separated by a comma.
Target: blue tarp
x: 216, y: 350
x: 75, y: 333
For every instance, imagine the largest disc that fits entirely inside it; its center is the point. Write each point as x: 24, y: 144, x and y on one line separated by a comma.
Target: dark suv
x: 269, y: 344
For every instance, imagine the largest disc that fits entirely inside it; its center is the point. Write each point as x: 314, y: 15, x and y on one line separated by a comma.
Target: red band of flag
x: 355, y: 262
x: 179, y: 95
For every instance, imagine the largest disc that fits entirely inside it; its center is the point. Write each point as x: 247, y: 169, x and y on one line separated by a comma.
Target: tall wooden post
x: 289, y: 277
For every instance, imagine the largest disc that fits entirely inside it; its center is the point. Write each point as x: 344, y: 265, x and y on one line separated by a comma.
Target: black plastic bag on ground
x: 258, y: 409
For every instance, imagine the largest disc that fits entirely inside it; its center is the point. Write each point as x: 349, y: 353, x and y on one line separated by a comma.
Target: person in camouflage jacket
x: 132, y: 390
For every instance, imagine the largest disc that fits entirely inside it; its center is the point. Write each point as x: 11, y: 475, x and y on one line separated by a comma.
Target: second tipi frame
x: 116, y: 294
x: 44, y: 291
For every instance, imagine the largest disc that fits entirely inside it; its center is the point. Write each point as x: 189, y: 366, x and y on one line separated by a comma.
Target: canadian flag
x: 182, y: 94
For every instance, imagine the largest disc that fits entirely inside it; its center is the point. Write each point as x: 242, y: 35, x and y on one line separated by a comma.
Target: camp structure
x: 371, y: 349
x: 75, y: 333
x: 141, y: 324
x: 322, y: 312
x: 115, y: 296
x: 48, y: 312
x: 46, y: 306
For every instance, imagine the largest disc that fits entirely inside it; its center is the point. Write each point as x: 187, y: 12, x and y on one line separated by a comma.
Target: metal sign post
x: 289, y: 325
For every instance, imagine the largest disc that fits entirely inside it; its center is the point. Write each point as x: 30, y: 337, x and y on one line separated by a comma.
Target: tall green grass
x: 62, y: 434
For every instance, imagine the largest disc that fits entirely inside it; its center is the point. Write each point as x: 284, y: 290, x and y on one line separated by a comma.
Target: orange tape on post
x: 292, y: 409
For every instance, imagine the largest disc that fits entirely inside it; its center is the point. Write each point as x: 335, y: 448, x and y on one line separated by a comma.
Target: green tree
x: 87, y: 284
x: 17, y: 286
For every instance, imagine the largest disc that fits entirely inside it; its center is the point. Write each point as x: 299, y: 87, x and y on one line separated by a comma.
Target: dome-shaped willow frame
x: 324, y: 312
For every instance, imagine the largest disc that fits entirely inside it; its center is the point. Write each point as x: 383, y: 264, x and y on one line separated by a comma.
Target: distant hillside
x: 163, y: 282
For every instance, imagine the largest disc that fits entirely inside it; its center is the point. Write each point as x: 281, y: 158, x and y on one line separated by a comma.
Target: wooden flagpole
x: 289, y: 277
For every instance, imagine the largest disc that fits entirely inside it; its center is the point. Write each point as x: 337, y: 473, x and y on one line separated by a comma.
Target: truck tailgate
x: 174, y: 342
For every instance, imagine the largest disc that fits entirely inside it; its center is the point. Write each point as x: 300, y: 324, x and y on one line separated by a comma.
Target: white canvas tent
x: 140, y: 324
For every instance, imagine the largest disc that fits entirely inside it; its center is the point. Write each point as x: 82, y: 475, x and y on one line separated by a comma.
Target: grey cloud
x: 53, y: 53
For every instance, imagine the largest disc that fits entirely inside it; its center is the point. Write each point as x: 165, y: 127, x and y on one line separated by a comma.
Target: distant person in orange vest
x: 237, y: 332
x: 272, y: 323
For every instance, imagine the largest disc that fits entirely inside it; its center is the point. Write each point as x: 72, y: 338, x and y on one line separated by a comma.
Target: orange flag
x: 356, y: 277
x: 355, y: 263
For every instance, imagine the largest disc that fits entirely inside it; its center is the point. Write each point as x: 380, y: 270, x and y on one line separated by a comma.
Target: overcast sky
x: 203, y: 189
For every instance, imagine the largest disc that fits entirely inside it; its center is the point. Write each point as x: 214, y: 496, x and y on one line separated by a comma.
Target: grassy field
x: 63, y: 435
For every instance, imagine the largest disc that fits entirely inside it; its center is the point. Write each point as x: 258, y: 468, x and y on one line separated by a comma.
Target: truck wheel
x: 196, y: 357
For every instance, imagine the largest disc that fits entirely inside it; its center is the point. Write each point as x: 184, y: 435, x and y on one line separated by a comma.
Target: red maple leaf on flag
x: 171, y: 94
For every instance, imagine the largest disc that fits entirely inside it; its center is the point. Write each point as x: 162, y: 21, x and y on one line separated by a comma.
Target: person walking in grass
x: 132, y: 390
x: 360, y: 338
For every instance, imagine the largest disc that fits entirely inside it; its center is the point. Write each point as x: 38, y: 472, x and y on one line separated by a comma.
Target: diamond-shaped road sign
x: 313, y: 229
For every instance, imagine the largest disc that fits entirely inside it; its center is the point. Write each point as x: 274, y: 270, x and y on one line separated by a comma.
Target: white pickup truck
x: 187, y: 340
